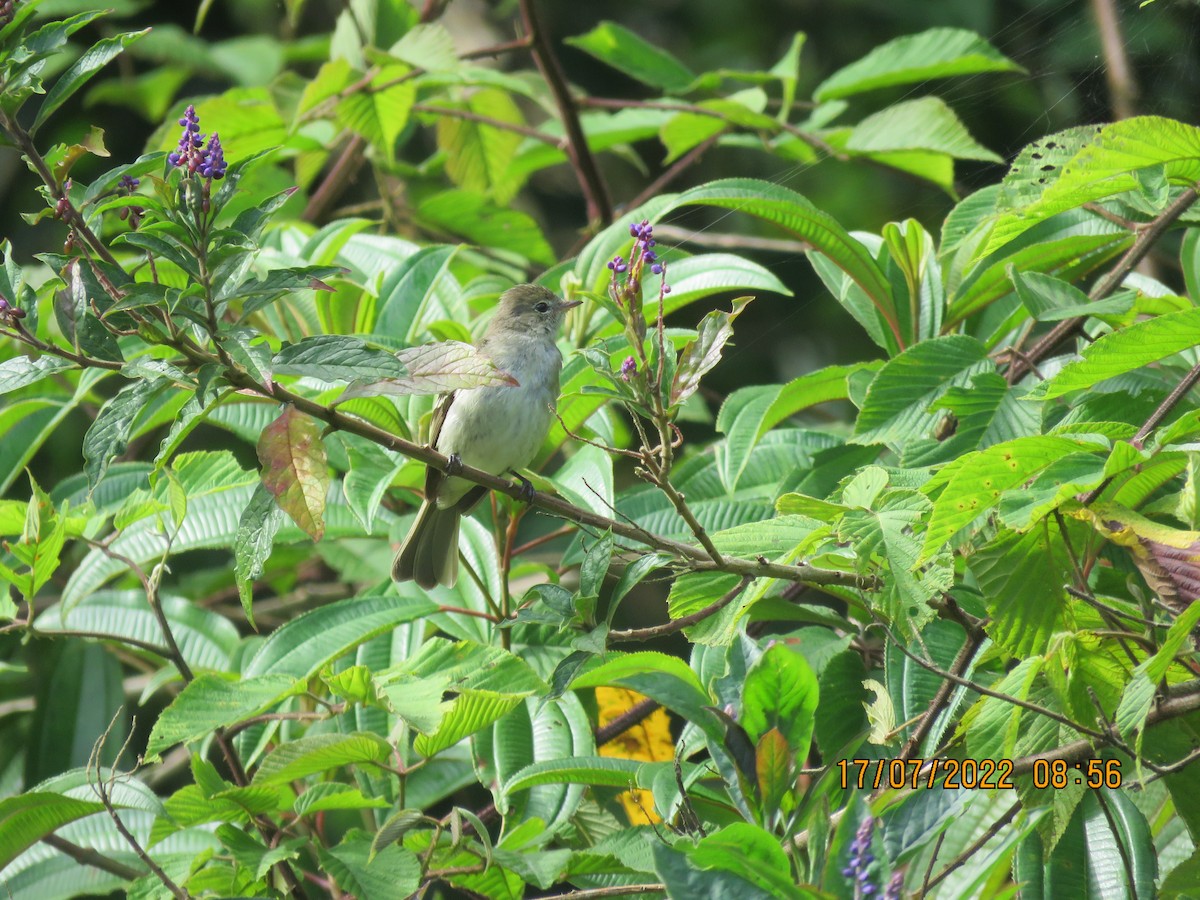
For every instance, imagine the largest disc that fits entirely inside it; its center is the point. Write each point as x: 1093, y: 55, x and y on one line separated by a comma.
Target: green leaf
x: 470, y: 216
x: 27, y: 818
x: 259, y: 523
x: 471, y: 711
x: 923, y: 124
x: 797, y: 216
x: 315, y: 753
x: 780, y: 693
x: 1106, y: 162
x: 1022, y: 577
x: 701, y: 355
x: 1051, y: 299
x: 886, y: 533
x: 936, y: 53
x: 750, y: 853
x: 409, y: 289
x: 82, y: 70
x: 974, y: 484
x: 742, y: 419
x: 21, y: 371
x: 305, y: 645
x: 380, y: 112
x: 605, y: 771
x: 479, y: 157
x: 214, y: 701
x: 333, y: 357
x: 109, y: 434
x: 206, y: 639
x: 1124, y: 350
x: 332, y: 795
x: 897, y: 406
x: 391, y: 872
x: 626, y: 52
x: 295, y: 469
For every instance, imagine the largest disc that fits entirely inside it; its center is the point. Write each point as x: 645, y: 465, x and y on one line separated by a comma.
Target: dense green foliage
x: 938, y: 602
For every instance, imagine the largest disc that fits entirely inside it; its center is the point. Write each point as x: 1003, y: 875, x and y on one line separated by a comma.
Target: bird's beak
x: 569, y: 304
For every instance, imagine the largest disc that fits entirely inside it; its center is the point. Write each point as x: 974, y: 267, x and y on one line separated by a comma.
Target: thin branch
x: 490, y: 121
x: 945, y: 688
x: 669, y: 174
x: 635, y: 715
x: 103, y: 790
x: 599, y: 207
x: 675, y: 625
x: 975, y: 847
x: 1142, y: 244
x: 88, y: 857
x: 1122, y: 85
x: 627, y: 890
x: 348, y: 163
x: 999, y: 695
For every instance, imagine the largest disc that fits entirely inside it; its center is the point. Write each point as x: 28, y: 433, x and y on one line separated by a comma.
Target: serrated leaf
x: 334, y: 357
x: 295, y: 469
x: 479, y: 157
x: 1124, y: 350
x: 259, y: 523
x: 213, y: 701
x: 923, y: 124
x: 316, y: 753
x: 109, y: 434
x: 381, y: 111
x: 936, y: 53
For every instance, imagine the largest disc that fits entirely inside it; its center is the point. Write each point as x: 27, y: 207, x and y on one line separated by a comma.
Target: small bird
x: 497, y: 429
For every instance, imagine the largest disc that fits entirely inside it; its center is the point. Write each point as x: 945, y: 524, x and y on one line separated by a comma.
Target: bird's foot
x: 454, y: 464
x: 527, y: 489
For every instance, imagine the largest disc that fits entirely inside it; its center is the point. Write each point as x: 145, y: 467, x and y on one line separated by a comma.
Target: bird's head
x: 530, y: 310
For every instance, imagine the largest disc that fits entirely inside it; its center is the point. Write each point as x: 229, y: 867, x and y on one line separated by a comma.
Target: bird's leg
x: 527, y: 490
x: 454, y: 464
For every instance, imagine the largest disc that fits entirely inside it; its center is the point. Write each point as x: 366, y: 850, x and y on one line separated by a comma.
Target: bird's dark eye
x: 541, y: 306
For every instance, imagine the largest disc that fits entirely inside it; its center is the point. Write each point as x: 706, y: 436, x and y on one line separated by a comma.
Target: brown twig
x: 635, y: 715
x: 976, y: 846
x: 656, y: 631
x: 348, y: 163
x: 88, y: 857
x: 599, y: 207
x: 1122, y: 85
x: 1142, y: 244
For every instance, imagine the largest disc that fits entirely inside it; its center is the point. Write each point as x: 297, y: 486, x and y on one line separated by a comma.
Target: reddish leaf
x: 773, y: 766
x: 295, y: 469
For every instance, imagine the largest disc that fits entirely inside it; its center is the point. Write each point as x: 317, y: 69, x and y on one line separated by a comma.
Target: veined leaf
x: 335, y: 357
x: 295, y: 469
x: 923, y: 124
x: 100, y: 54
x: 315, y: 753
x: 936, y: 53
x: 214, y: 701
x: 627, y: 52
x: 1124, y: 350
x: 437, y: 368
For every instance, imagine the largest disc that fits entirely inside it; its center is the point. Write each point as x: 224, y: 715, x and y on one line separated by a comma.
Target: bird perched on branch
x: 497, y: 429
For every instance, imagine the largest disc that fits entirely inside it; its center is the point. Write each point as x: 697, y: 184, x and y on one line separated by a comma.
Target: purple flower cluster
x: 644, y: 232
x: 193, y: 154
x: 858, y: 868
x: 628, y: 368
x: 8, y: 10
x: 642, y: 256
x: 861, y: 858
x: 127, y: 185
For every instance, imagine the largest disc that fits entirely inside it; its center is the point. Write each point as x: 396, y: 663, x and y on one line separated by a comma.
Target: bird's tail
x: 429, y: 555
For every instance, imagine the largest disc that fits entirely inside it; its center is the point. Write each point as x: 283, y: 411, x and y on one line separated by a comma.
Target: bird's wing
x: 433, y: 477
